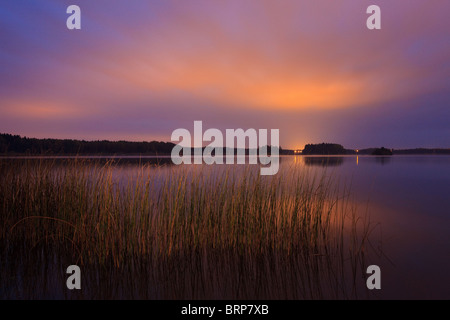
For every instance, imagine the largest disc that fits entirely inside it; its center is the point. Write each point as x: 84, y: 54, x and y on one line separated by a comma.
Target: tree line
x: 14, y: 144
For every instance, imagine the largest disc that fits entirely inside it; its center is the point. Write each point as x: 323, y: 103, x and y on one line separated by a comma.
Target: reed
x: 184, y: 232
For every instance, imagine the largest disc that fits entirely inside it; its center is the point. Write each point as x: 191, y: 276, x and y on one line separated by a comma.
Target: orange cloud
x: 38, y: 109
x: 269, y: 66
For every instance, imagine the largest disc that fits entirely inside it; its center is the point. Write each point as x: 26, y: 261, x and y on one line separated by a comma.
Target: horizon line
x: 162, y: 141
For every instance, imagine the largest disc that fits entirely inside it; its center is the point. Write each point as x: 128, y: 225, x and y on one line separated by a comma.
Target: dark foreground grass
x: 177, y: 233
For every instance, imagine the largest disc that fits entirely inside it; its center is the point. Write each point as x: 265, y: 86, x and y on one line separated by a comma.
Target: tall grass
x: 182, y: 232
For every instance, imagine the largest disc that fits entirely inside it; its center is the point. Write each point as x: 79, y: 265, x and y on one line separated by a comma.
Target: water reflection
x: 406, y: 195
x: 383, y: 160
x: 323, y: 161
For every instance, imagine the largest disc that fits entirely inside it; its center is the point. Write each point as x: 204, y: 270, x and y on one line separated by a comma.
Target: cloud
x: 172, y: 62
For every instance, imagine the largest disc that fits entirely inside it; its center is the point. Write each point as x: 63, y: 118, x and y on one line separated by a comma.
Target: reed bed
x: 164, y: 232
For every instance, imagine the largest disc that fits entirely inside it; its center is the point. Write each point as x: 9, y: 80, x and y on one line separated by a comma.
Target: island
x: 382, y: 152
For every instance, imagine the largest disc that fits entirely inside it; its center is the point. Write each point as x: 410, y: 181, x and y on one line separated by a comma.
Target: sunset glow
x: 139, y: 71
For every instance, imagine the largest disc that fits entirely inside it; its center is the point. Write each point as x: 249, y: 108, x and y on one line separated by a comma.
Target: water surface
x: 406, y: 198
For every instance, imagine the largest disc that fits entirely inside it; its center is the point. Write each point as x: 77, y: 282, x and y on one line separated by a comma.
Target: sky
x: 137, y: 70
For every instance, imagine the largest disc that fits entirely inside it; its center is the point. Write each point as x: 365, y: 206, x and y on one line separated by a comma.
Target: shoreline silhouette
x: 16, y: 145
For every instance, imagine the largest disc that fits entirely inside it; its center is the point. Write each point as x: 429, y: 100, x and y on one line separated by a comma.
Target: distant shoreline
x: 18, y: 146
x: 142, y: 156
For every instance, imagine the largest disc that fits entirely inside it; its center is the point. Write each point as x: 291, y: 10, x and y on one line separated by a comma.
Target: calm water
x: 408, y: 200
x: 409, y: 197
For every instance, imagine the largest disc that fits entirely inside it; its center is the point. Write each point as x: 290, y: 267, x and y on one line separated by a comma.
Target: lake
x: 409, y: 197
x: 405, y: 197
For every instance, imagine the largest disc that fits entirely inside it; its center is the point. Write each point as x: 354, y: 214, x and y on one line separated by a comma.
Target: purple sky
x: 137, y: 70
